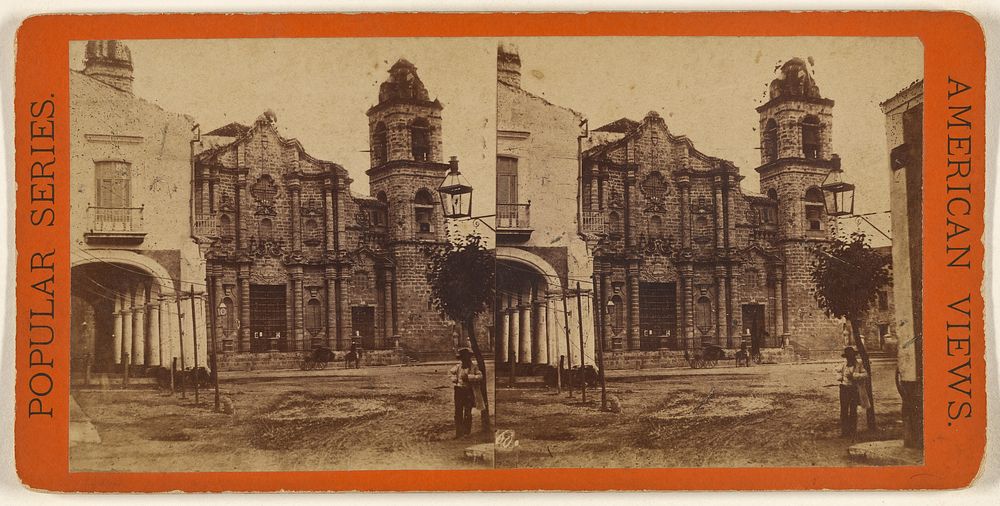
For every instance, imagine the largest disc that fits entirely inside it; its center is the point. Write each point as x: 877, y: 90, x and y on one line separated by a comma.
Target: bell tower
x: 407, y: 166
x: 796, y: 158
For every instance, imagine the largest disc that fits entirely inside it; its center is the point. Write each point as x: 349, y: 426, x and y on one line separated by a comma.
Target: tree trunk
x: 470, y: 327
x: 856, y: 332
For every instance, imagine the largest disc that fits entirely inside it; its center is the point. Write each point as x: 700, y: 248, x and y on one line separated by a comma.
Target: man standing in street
x: 852, y: 376
x: 465, y: 377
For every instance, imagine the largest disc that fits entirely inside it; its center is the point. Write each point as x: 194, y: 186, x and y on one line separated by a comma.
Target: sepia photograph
x: 277, y: 262
x: 682, y: 252
x: 708, y: 251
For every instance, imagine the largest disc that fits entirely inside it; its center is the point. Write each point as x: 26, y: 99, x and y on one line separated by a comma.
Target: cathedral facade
x: 684, y: 257
x: 299, y: 260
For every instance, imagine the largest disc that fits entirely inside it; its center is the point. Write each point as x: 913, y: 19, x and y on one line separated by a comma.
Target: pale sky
x: 704, y: 87
x: 708, y: 87
x: 320, y: 89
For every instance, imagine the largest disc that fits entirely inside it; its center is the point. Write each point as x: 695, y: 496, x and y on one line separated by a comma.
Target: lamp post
x: 838, y: 196
x: 456, y: 193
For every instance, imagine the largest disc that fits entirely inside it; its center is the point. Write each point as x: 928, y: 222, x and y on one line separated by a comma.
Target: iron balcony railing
x: 115, y: 219
x: 594, y: 222
x: 514, y: 216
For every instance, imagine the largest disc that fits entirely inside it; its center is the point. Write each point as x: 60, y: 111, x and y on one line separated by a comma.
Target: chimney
x: 508, y: 65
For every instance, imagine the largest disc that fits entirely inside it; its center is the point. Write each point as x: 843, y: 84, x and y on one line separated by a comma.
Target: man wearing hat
x: 852, y: 381
x: 465, y: 377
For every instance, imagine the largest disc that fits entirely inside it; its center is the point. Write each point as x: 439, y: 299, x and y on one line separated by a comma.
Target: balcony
x: 593, y: 223
x: 514, y: 222
x: 206, y: 226
x: 114, y: 226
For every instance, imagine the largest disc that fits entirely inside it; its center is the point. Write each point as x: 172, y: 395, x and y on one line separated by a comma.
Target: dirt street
x: 768, y: 415
x: 372, y: 418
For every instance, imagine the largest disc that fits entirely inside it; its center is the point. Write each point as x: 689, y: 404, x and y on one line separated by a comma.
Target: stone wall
x: 276, y: 360
x: 624, y: 360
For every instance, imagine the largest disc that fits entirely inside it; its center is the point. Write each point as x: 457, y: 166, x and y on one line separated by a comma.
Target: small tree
x: 461, y: 274
x: 848, y: 274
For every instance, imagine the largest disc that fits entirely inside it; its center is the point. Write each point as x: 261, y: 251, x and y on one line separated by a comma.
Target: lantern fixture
x: 610, y: 306
x: 455, y: 192
x: 838, y: 196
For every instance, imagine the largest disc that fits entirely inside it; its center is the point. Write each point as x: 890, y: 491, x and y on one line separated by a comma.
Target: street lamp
x: 838, y: 196
x: 456, y: 194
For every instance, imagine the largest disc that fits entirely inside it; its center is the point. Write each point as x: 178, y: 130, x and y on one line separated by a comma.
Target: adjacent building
x: 904, y: 136
x: 541, y: 258
x: 134, y: 247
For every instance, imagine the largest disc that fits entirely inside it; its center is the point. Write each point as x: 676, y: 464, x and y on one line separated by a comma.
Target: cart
x: 318, y: 358
x: 707, y: 356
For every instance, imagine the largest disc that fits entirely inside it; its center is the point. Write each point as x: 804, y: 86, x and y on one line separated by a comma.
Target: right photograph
x: 708, y: 252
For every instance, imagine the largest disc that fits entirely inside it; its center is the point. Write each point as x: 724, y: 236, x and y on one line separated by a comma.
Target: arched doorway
x: 525, y: 316
x: 115, y: 315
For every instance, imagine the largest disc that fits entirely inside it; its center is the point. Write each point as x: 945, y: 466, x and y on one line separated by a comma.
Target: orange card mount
x: 210, y: 298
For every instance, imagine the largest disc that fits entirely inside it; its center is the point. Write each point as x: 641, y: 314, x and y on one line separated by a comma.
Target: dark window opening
x: 771, y: 141
x: 380, y: 144
x: 424, y: 211
x: 815, y: 212
x: 420, y: 140
x: 810, y: 137
x: 314, y: 316
x: 265, y: 229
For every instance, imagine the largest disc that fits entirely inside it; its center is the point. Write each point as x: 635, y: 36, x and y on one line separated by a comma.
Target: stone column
x: 241, y: 208
x: 117, y: 331
x: 515, y: 333
x: 139, y: 327
x: 343, y: 309
x: 719, y: 221
x: 297, y: 340
x: 684, y: 182
x: 720, y: 307
x: 127, y: 330
x: 685, y: 331
x: 154, y: 332
x: 329, y: 224
x: 330, y: 275
x: 504, y: 324
x: 244, y: 344
x: 294, y: 188
x: 166, y: 337
x: 524, y: 337
x: 633, y: 307
x: 552, y: 329
x: 290, y: 309
x: 689, y: 304
x: 542, y: 332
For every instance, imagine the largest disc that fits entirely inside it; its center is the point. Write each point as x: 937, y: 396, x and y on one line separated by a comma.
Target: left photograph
x: 282, y: 254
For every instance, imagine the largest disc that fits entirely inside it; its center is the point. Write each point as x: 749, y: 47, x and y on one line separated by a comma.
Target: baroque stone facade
x: 299, y: 261
x: 684, y: 257
x: 662, y: 238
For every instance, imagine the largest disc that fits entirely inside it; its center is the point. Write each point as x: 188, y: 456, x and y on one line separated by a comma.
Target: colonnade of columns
x: 147, y: 327
x: 539, y: 328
